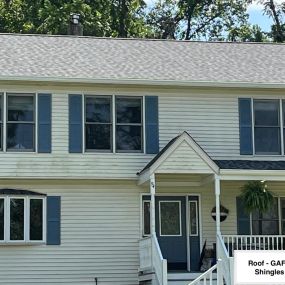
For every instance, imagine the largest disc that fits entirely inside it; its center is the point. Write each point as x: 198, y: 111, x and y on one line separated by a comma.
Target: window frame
x: 130, y: 124
x: 180, y: 220
x: 85, y: 97
x: 196, y: 218
x: 113, y: 125
x: 33, y: 123
x: 281, y: 126
x: 4, y: 95
x: 7, y: 230
x: 143, y: 220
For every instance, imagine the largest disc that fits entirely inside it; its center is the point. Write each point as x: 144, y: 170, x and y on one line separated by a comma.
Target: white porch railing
x: 207, y: 278
x: 145, y: 249
x: 224, y: 262
x: 252, y: 242
x: 151, y: 259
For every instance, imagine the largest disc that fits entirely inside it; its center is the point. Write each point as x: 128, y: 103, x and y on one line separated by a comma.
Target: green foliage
x: 256, y: 196
x: 277, y: 12
x: 166, y: 19
x: 197, y: 19
x: 247, y: 33
x: 123, y: 18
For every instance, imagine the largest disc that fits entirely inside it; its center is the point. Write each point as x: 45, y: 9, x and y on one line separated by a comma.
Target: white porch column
x: 217, y: 195
x: 152, y: 204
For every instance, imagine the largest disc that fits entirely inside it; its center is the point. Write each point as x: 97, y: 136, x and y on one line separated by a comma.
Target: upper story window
x: 113, y: 123
x: 261, y: 126
x: 20, y: 122
x: 22, y: 219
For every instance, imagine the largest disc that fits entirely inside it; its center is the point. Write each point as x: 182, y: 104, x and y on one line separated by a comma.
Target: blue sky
x: 255, y: 15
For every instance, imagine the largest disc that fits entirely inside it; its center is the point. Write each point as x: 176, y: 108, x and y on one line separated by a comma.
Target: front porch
x: 182, y: 188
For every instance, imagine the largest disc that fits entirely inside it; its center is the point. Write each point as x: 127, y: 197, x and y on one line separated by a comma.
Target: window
x: 22, y: 219
x: 98, y: 123
x: 267, y: 126
x: 20, y: 122
x: 146, y: 218
x: 266, y: 223
x: 113, y: 123
x: 170, y: 218
x: 128, y: 124
x: 193, y: 218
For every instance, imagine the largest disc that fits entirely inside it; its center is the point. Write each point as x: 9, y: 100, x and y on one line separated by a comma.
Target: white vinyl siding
x: 210, y: 117
x: 99, y: 237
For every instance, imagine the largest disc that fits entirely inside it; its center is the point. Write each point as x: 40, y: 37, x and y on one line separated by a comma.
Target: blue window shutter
x: 75, y: 123
x: 245, y: 126
x: 53, y: 220
x: 151, y: 124
x: 243, y: 218
x: 44, y: 123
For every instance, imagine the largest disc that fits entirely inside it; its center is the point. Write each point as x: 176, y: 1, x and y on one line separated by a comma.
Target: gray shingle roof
x: 101, y: 58
x: 251, y: 164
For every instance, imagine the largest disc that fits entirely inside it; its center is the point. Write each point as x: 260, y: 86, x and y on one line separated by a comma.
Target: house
x: 117, y: 153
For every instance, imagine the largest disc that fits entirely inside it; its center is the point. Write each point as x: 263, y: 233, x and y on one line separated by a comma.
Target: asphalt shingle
x: 68, y: 57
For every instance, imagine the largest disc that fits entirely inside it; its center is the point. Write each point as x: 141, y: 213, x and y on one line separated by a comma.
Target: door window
x: 193, y: 218
x: 170, y: 218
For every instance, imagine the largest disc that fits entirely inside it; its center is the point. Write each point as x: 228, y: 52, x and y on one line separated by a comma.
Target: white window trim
x: 113, y: 123
x: 26, y: 240
x: 197, y: 220
x: 5, y: 120
x: 180, y: 222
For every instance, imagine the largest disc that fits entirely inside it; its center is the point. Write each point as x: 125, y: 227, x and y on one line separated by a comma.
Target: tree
x: 247, y: 33
x: 197, y: 19
x: 122, y: 18
x: 277, y: 13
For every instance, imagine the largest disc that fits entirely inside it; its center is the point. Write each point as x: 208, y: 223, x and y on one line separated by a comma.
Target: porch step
x: 186, y: 278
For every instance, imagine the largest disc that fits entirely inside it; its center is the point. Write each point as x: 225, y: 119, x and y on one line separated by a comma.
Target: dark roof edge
x: 8, y: 191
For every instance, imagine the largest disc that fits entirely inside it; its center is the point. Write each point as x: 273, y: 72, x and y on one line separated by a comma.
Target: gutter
x: 181, y: 83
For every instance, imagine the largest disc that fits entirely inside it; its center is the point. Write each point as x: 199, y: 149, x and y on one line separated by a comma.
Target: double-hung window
x: 262, y: 124
x: 22, y: 219
x: 113, y: 123
x: 267, y: 136
x: 98, y: 123
x: 129, y: 124
x: 20, y: 122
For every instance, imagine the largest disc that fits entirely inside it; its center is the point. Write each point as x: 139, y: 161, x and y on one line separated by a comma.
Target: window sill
x: 22, y: 243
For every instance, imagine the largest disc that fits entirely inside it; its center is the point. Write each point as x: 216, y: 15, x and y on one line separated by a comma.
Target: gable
x: 184, y: 159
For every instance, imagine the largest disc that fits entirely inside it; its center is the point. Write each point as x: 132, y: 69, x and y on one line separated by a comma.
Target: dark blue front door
x: 171, y: 230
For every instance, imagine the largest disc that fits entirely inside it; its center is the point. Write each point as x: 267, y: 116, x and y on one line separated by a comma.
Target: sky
x: 255, y: 15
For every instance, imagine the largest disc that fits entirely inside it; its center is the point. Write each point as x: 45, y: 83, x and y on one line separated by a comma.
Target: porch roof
x: 181, y: 155
x: 251, y: 164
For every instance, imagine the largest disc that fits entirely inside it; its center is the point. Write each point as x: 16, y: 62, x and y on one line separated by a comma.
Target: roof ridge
x: 141, y: 39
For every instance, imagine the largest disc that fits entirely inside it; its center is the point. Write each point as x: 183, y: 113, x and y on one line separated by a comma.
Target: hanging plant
x: 256, y: 196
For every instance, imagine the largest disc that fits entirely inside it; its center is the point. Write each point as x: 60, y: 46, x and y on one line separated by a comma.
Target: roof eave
x: 128, y: 81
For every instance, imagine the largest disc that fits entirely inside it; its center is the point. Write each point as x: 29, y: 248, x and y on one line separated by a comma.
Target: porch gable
x: 181, y: 155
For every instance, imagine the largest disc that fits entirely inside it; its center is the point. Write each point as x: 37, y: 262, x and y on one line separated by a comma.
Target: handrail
x: 151, y: 258
x: 223, y: 262
x: 158, y: 262
x: 206, y: 276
